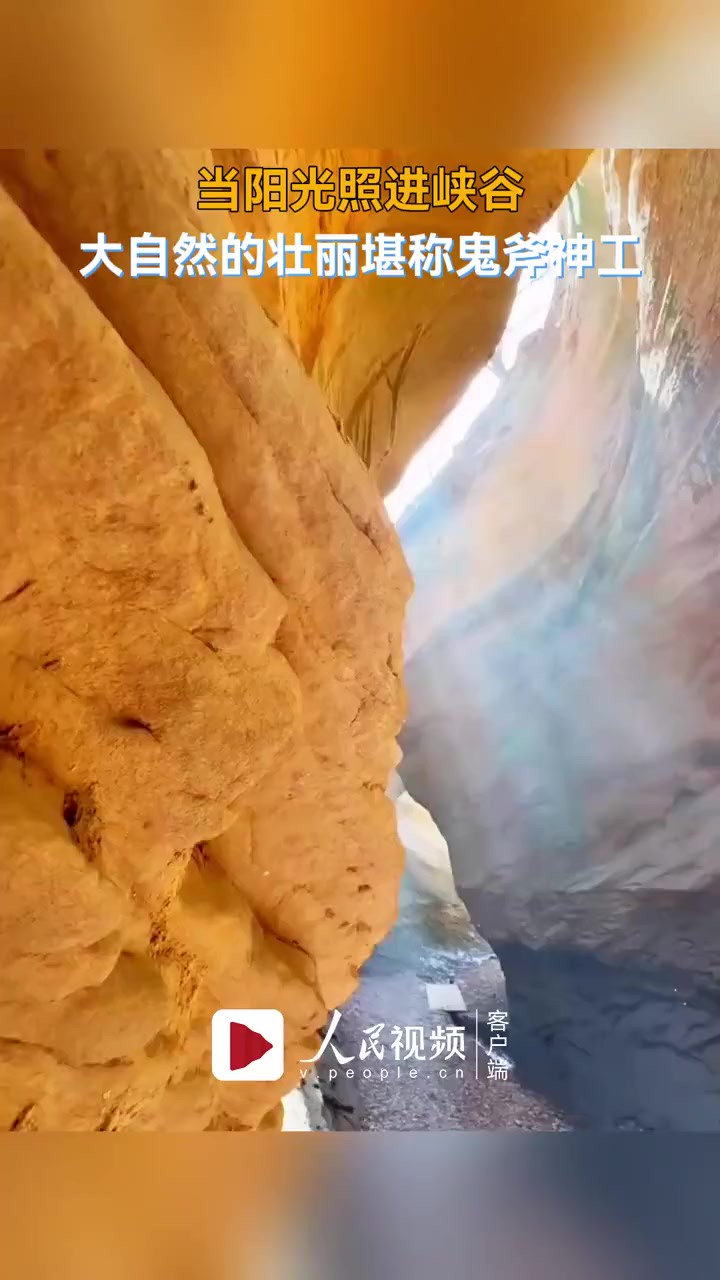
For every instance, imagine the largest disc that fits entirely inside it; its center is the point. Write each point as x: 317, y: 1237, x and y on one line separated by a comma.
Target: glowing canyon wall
x: 201, y: 611
x: 564, y: 724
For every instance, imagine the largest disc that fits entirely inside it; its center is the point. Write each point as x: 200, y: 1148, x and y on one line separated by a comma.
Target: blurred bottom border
x: 360, y: 1205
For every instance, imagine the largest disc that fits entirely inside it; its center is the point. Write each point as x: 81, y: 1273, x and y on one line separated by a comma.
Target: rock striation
x: 563, y: 682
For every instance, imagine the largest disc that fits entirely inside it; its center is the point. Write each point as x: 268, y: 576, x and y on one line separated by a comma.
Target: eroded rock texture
x: 391, y: 356
x: 200, y: 611
x: 565, y: 722
x: 201, y: 603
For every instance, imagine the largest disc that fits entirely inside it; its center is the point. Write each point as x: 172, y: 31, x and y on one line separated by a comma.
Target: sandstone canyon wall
x: 201, y: 604
x: 564, y: 724
x: 392, y: 355
x: 199, y: 688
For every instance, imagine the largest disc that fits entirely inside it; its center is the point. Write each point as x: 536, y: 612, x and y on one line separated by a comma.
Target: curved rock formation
x: 200, y: 612
x: 563, y: 688
x: 201, y: 602
x: 391, y: 356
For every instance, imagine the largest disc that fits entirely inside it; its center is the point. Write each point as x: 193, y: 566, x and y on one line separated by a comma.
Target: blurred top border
x: 379, y: 73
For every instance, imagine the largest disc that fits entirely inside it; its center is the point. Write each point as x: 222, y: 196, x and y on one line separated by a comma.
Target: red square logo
x: 248, y: 1044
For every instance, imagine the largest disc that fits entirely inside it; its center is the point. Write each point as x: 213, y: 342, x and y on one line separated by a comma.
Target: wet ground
x: 433, y: 942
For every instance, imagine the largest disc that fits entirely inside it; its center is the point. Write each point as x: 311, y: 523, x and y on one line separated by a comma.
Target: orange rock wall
x: 392, y: 356
x: 201, y: 603
x: 200, y: 612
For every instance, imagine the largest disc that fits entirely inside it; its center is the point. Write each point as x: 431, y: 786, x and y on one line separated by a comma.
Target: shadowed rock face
x: 201, y: 603
x: 564, y: 726
x: 392, y: 355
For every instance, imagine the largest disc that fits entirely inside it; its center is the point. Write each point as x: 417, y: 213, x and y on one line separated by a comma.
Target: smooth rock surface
x: 393, y: 355
x: 564, y: 725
